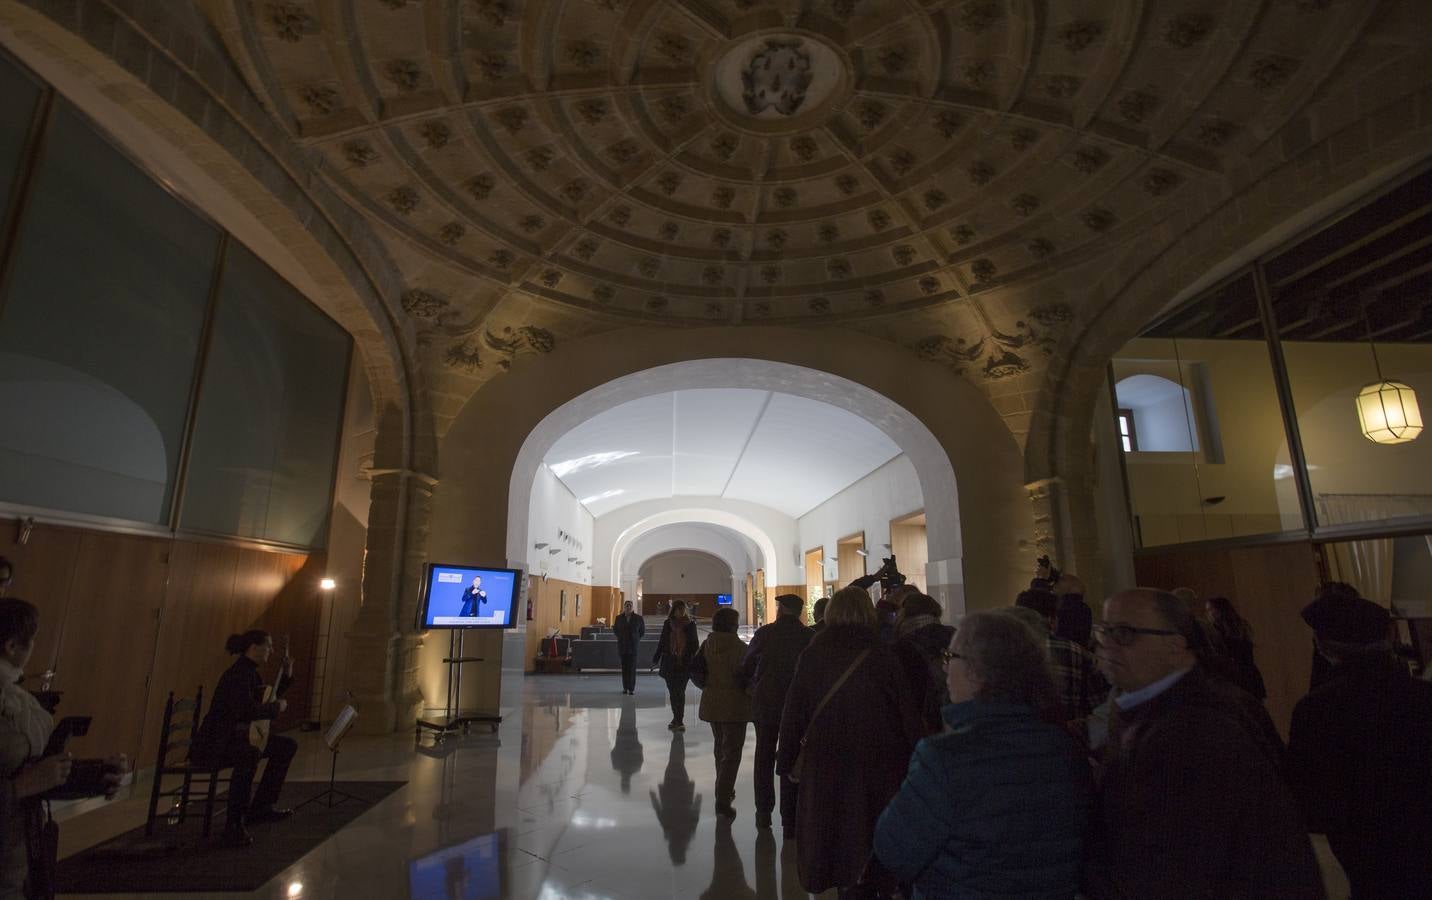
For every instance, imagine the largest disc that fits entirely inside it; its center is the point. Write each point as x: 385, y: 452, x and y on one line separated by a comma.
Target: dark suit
x: 629, y: 629
x: 472, y: 599
x: 1360, y: 762
x: 223, y: 738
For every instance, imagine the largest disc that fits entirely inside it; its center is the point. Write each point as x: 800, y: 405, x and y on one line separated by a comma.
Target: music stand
x: 333, y: 738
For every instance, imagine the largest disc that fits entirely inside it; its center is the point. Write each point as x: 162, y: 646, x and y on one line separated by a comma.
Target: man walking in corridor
x: 629, y: 628
x: 769, y: 665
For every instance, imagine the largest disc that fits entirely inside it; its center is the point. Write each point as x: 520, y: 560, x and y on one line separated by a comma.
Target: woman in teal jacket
x: 995, y: 806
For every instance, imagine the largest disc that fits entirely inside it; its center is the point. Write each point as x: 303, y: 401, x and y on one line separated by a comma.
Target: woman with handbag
x: 724, y: 704
x: 849, y: 725
x: 674, y: 653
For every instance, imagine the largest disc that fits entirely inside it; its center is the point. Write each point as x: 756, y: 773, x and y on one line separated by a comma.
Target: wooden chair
x: 181, y: 726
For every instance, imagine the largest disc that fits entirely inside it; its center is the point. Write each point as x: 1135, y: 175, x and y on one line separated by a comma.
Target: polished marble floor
x: 583, y: 793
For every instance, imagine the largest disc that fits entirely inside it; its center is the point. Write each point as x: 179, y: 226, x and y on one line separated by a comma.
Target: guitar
x: 259, y: 729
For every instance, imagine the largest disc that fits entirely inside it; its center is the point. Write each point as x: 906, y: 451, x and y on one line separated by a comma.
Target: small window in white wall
x: 1128, y: 435
x: 1161, y: 416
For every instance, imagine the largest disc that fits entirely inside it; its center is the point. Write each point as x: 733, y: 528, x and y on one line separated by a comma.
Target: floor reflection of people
x: 677, y: 805
x: 767, y: 886
x: 626, y: 750
x: 728, y: 873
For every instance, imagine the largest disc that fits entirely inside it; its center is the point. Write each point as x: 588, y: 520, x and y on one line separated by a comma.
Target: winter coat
x: 1238, y: 666
x: 1360, y: 762
x: 1191, y: 806
x: 919, y: 649
x: 994, y: 807
x: 629, y: 630
x: 856, y: 751
x: 670, y: 665
x: 770, y: 664
x: 723, y: 693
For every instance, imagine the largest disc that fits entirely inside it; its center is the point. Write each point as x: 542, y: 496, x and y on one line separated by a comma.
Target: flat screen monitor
x: 470, y: 597
x: 723, y: 599
x: 471, y: 871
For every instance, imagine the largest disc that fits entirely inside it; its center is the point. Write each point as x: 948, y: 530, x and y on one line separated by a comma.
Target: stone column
x: 383, y: 645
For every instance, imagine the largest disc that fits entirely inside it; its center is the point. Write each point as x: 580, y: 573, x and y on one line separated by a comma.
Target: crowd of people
x: 1030, y: 751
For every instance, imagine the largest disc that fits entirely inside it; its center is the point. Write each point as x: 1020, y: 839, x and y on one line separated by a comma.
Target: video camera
x: 1042, y: 564
x: 890, y: 576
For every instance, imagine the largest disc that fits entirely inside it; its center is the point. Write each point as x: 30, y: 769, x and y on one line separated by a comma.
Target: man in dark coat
x: 628, y: 628
x: 1191, y: 804
x: 769, y: 665
x: 474, y: 598
x: 1360, y: 754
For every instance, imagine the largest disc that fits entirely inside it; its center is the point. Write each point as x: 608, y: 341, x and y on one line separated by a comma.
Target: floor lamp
x: 320, y: 675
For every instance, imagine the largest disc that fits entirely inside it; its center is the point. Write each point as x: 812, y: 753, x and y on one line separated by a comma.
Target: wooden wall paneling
x: 192, y: 628
x: 108, y: 638
x: 1274, y: 583
x: 44, y: 572
x: 293, y: 611
x: 1269, y: 585
x: 849, y: 564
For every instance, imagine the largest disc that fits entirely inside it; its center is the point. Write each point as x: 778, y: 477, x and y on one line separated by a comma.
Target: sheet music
x: 341, y: 723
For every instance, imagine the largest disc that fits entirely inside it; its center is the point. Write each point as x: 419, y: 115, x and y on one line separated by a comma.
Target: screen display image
x: 470, y: 597
x: 471, y: 871
x: 723, y: 599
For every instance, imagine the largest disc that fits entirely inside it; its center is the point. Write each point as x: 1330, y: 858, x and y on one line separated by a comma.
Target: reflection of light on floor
x: 554, y: 893
x: 582, y: 820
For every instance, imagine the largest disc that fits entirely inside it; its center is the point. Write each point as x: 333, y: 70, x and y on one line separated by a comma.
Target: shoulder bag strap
x: 835, y: 687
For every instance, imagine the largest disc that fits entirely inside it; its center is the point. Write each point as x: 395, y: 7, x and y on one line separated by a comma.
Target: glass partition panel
x: 270, y: 406
x: 18, y: 95
x: 1207, y: 456
x: 1365, y: 278
x: 99, y: 332
x: 1162, y: 431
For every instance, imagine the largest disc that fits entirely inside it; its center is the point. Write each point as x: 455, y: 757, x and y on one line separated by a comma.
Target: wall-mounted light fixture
x: 540, y: 545
x: 861, y: 552
x: 571, y: 559
x: 327, y: 584
x: 555, y: 550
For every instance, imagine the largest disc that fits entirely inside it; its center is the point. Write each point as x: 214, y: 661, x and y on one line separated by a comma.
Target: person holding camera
x: 26, y: 773
x: 223, y: 737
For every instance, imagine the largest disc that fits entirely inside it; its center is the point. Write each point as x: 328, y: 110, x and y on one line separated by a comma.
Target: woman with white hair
x: 995, y: 806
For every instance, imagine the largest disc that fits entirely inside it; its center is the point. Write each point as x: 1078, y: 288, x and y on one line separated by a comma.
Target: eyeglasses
x: 947, y: 655
x: 1125, y: 635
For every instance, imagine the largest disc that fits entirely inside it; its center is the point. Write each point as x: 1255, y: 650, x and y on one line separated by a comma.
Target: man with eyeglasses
x: 1190, y: 803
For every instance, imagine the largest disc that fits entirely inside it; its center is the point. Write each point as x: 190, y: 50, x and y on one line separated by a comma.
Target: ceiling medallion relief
x: 782, y: 82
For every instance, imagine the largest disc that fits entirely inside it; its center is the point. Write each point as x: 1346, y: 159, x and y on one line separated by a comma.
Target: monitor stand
x: 453, y: 718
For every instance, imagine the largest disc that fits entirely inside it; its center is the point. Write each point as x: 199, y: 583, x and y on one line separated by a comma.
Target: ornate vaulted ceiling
x: 917, y: 171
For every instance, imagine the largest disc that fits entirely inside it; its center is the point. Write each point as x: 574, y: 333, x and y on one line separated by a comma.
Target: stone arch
x: 719, y: 561
x: 940, y: 419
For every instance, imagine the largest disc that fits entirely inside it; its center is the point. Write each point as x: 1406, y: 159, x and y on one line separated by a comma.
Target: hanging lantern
x: 1388, y: 413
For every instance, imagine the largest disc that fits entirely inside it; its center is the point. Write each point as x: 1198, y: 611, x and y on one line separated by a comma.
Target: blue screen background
x: 445, y: 598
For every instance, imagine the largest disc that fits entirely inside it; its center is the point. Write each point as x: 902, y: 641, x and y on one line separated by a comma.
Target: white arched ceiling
x: 908, y: 433
x: 688, y: 515
x: 731, y: 547
x: 785, y: 451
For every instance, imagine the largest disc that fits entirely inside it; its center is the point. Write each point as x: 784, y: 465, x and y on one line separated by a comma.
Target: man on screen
x: 473, y: 597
